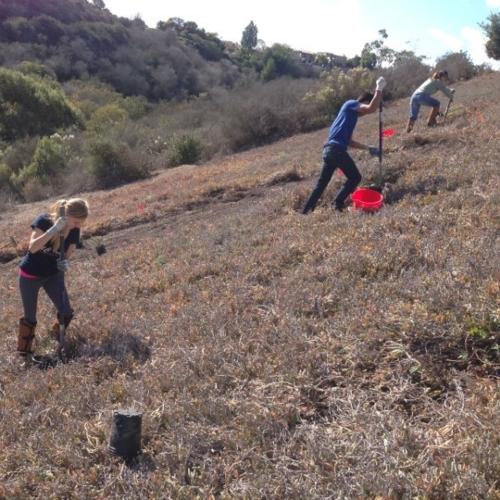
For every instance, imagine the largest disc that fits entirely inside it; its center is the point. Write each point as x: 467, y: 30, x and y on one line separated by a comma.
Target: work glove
x: 374, y: 151
x: 452, y: 93
x: 381, y: 83
x: 63, y: 265
x: 58, y: 226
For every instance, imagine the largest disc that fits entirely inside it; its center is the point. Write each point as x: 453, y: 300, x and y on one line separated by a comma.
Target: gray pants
x: 54, y: 287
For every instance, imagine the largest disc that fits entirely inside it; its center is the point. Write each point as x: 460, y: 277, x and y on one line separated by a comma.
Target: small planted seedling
x: 99, y: 246
x: 100, y: 249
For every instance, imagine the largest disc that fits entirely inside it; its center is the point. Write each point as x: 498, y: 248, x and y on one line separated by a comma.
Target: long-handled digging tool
x: 61, y: 351
x: 371, y: 199
x: 378, y: 185
x: 445, y: 114
x: 380, y: 144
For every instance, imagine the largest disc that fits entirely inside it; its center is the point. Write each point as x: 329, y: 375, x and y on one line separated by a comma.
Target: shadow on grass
x: 283, y: 177
x: 478, y: 352
x: 143, y: 463
x: 431, y: 185
x: 116, y: 345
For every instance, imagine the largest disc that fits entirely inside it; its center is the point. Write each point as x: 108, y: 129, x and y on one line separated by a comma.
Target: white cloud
x: 475, y: 41
x: 470, y: 40
x: 449, y: 42
x: 493, y: 3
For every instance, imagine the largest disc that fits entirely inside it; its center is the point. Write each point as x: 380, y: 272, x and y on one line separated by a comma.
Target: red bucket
x: 368, y: 200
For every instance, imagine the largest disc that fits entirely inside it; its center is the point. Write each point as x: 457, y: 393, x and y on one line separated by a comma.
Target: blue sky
x: 429, y: 27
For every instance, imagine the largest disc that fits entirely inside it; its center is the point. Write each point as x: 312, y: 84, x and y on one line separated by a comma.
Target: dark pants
x: 54, y: 287
x: 334, y: 157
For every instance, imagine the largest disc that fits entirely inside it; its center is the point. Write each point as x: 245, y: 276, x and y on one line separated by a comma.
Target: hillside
x: 275, y: 355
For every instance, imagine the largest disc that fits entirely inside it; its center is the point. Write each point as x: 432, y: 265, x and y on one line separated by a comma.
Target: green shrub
x: 30, y: 106
x: 31, y: 68
x: 269, y: 72
x: 280, y: 60
x: 47, y: 163
x: 263, y: 112
x: 115, y: 164
x: 184, y: 149
x: 5, y: 174
x: 90, y: 95
x: 19, y: 153
x: 34, y: 190
x: 338, y: 86
x: 136, y: 106
x: 7, y: 199
x: 106, y: 117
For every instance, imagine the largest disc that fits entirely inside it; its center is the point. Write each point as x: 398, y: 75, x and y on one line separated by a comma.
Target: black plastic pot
x: 125, y: 439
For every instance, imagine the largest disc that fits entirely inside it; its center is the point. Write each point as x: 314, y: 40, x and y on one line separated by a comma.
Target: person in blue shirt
x: 335, y: 153
x: 41, y: 267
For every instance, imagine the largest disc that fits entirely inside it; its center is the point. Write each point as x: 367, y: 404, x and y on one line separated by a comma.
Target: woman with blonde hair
x: 41, y: 267
x: 422, y: 96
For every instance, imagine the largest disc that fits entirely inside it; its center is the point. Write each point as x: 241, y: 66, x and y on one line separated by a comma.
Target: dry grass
x: 275, y: 355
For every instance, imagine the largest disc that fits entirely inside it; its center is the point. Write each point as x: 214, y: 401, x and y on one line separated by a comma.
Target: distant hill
x: 76, y: 39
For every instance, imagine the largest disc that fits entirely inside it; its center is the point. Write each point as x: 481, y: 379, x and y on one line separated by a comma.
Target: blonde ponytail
x: 54, y: 209
x: 74, y: 207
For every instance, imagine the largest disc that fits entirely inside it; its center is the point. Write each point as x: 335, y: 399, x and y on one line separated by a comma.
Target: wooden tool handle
x: 380, y: 132
x: 61, y: 213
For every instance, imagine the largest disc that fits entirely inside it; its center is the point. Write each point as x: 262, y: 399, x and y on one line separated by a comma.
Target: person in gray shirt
x: 423, y: 96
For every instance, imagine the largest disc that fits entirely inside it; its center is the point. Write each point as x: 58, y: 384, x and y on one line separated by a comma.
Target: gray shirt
x: 431, y: 86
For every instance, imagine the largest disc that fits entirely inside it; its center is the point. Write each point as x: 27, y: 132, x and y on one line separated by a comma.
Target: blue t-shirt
x: 343, y: 126
x: 44, y: 262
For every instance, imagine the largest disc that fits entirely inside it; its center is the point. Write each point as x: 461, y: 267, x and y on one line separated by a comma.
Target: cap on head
x: 438, y: 75
x: 365, y: 98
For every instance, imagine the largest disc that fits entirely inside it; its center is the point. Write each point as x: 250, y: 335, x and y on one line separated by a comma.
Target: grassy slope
x: 276, y: 355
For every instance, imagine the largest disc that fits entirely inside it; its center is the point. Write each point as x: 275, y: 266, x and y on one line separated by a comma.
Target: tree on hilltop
x: 249, y: 38
x: 376, y: 53
x: 492, y: 31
